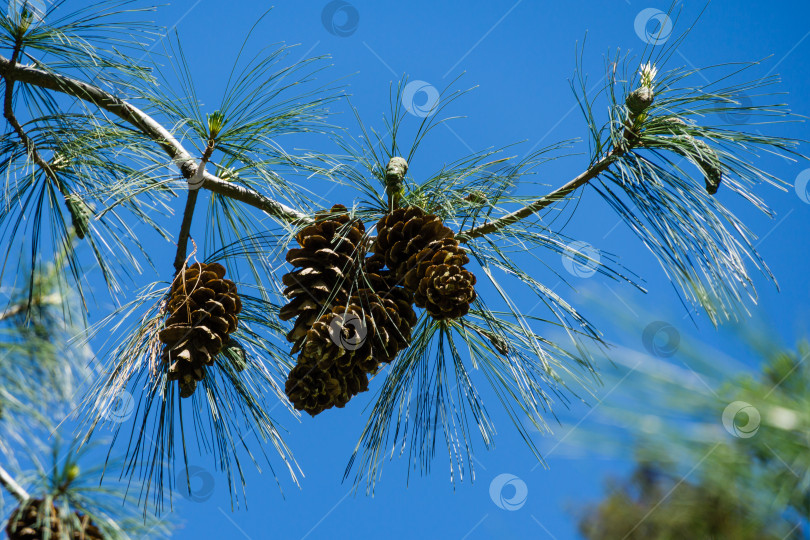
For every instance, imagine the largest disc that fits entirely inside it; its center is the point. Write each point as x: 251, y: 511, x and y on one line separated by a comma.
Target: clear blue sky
x: 520, y: 54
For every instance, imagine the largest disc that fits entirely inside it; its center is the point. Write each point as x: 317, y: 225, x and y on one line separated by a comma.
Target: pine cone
x: 311, y: 388
x: 203, y: 309
x: 404, y: 232
x: 446, y: 251
x: 325, y: 265
x: 352, y: 382
x: 28, y: 523
x: 440, y: 283
x: 335, y: 357
x: 446, y: 291
x: 344, y: 346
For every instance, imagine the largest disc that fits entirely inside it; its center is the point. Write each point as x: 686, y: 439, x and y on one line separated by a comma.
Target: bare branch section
x: 495, y: 225
x: 148, y: 126
x: 12, y: 486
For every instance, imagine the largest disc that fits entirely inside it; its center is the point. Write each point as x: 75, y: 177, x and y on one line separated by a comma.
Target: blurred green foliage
x: 745, y: 476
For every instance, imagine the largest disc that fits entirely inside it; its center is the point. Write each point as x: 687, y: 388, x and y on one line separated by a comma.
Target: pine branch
x: 493, y: 226
x: 49, y: 300
x: 79, y: 220
x: 12, y: 486
x: 28, y: 74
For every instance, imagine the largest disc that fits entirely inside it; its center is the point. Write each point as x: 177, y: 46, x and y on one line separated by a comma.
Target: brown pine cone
x: 346, y: 345
x: 32, y: 522
x: 404, y: 232
x: 203, y: 307
x: 376, y: 277
x: 325, y: 265
x: 352, y: 382
x: 311, y: 388
x: 446, y: 291
x: 335, y: 356
x: 314, y: 390
x: 445, y: 251
x: 440, y: 283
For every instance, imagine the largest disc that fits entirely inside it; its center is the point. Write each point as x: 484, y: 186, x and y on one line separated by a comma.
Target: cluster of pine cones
x: 29, y: 523
x: 354, y: 312
x: 203, y: 307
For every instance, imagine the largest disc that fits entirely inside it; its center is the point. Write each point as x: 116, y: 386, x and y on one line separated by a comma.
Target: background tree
x: 43, y: 369
x: 115, y: 164
x: 653, y: 503
x: 718, y: 456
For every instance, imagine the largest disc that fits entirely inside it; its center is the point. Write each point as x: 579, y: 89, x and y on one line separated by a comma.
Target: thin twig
x: 151, y: 128
x: 185, y: 230
x: 493, y: 226
x: 30, y: 146
x: 12, y: 486
x: 188, y: 213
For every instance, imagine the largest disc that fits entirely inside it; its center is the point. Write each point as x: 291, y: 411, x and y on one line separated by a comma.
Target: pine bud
x: 72, y: 473
x: 394, y: 177
x: 639, y: 100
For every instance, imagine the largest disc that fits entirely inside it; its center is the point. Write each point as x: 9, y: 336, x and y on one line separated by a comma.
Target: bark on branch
x: 12, y: 486
x: 493, y: 226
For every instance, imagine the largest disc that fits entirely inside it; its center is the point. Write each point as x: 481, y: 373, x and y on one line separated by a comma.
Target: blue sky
x: 520, y: 56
